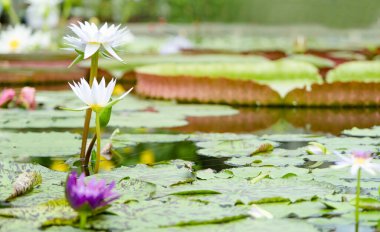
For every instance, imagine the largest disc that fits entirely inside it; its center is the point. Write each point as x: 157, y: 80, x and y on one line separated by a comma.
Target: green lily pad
x: 39, y: 144
x: 314, y: 60
x: 362, y: 71
x: 170, y: 213
x: 367, y: 132
x: 233, y: 190
x: 50, y: 188
x: 160, y: 174
x: 230, y: 148
x: 291, y: 137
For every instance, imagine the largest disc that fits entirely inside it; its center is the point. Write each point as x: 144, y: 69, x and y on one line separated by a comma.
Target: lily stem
x: 89, y: 149
x: 86, y: 126
x: 83, y: 220
x: 357, y: 200
x: 98, y: 145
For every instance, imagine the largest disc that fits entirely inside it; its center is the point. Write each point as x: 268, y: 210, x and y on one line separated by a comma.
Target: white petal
x: 90, y: 49
x: 368, y: 169
x: 110, y: 88
x: 103, y: 91
x: 95, y: 92
x: 354, y: 170
x: 112, y: 52
x: 125, y: 94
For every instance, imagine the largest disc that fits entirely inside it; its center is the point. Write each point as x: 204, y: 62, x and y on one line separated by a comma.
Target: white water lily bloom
x: 43, y: 13
x: 257, y: 212
x: 357, y: 160
x: 98, y: 96
x: 91, y: 39
x: 15, y: 39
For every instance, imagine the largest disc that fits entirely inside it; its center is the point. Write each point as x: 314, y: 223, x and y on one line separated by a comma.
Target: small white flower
x: 257, y: 212
x: 98, y: 96
x: 357, y: 160
x: 41, y: 13
x: 15, y: 39
x: 316, y: 149
x: 90, y: 39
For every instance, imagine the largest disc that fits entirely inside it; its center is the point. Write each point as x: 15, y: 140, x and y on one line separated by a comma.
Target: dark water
x: 146, y: 153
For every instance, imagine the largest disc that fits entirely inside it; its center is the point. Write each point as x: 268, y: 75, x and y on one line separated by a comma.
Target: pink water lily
x: 27, y: 98
x: 6, y: 97
x: 358, y: 160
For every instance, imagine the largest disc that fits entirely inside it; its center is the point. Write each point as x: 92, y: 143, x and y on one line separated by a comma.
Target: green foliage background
x: 333, y: 13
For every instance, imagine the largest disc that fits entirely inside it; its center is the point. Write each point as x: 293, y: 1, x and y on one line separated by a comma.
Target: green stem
x: 83, y: 220
x: 86, y: 126
x: 97, y: 143
x: 357, y: 200
x: 8, y: 7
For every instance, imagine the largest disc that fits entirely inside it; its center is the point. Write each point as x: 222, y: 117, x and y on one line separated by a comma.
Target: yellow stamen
x: 14, y: 44
x: 360, y: 160
x: 96, y: 108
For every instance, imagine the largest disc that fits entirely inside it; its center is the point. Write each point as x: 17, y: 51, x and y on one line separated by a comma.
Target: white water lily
x: 15, y: 39
x: 43, y: 13
x: 98, y: 96
x: 91, y: 39
x: 358, y: 160
x: 257, y: 212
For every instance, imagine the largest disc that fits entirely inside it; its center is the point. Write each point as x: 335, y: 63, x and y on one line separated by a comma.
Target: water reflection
x: 143, y: 153
x: 286, y: 120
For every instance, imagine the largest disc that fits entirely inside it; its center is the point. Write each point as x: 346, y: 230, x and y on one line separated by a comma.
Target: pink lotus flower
x: 6, y: 97
x: 89, y: 197
x: 27, y: 98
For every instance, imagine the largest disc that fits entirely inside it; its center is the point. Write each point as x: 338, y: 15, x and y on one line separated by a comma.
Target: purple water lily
x: 91, y: 196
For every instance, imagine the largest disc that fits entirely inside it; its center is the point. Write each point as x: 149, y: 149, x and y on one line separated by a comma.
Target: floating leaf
x: 367, y: 203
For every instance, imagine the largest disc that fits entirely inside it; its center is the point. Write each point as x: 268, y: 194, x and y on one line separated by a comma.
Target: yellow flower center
x: 96, y: 108
x: 93, y: 42
x: 360, y: 161
x: 14, y: 44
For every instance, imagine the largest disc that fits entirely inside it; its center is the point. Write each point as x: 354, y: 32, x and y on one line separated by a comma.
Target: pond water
x: 211, y: 157
x: 248, y: 120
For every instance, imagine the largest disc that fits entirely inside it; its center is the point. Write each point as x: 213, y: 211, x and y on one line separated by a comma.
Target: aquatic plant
x: 27, y: 98
x: 89, y: 198
x: 6, y: 97
x: 91, y: 41
x: 43, y: 14
x: 97, y: 98
x: 357, y: 161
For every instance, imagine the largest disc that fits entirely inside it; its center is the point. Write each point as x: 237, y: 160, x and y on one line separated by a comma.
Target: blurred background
x: 329, y: 13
